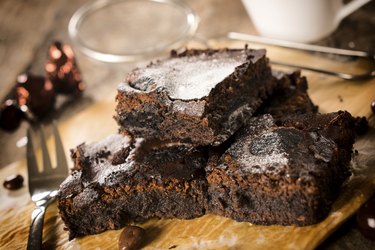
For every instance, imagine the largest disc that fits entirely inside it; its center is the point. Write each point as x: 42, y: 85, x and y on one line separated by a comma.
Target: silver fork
x: 43, y: 186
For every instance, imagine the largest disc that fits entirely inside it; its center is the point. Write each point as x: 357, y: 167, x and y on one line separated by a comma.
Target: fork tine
x: 62, y: 164
x: 47, y: 165
x: 43, y: 187
x: 32, y: 165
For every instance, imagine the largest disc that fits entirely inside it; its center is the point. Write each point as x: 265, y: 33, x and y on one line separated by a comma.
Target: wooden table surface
x: 27, y: 27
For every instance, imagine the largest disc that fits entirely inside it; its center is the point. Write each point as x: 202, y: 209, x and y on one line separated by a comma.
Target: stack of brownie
x: 210, y: 131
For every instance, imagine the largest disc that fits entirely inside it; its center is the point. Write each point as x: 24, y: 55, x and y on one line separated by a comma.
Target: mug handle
x: 349, y: 8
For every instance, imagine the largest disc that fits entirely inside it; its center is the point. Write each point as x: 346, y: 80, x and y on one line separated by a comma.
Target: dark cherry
x: 373, y: 106
x: 131, y: 238
x: 13, y: 182
x: 366, y: 219
x: 61, y: 68
x: 10, y: 115
x: 36, y: 93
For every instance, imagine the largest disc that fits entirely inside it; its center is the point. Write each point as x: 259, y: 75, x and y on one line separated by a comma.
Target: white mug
x: 298, y: 20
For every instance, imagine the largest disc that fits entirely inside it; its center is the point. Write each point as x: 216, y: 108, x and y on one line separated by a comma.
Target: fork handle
x: 36, y: 228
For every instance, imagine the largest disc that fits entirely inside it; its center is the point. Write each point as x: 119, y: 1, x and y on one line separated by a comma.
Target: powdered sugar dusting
x: 85, y: 198
x: 260, y: 123
x: 111, y: 143
x: 259, y: 164
x: 102, y: 169
x: 259, y: 148
x: 191, y: 108
x: 191, y: 77
x: 70, y: 179
x: 104, y: 176
x: 263, y: 156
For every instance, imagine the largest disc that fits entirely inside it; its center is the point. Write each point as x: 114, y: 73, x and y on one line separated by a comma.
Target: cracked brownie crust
x: 198, y: 96
x: 113, y: 184
x: 282, y: 172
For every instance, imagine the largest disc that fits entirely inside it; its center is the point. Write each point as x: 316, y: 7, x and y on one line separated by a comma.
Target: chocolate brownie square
x: 285, y: 172
x: 289, y: 97
x: 198, y: 96
x: 117, y: 181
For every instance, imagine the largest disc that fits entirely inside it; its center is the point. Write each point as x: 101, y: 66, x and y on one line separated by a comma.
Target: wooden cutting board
x: 208, y: 232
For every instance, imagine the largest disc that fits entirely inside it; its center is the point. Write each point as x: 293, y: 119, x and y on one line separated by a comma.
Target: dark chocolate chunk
x: 13, y: 182
x: 10, y: 115
x: 131, y: 238
x: 62, y: 69
x: 36, y: 93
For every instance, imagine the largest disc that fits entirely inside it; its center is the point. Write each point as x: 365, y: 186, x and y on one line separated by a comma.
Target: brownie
x: 197, y: 96
x: 289, y: 97
x: 117, y: 181
x: 285, y: 172
x: 211, y: 131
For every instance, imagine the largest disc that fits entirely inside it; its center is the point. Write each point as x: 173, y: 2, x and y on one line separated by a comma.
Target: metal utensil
x: 312, y: 48
x: 43, y: 186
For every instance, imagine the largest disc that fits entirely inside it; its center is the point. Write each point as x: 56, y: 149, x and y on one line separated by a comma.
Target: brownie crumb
x: 340, y: 98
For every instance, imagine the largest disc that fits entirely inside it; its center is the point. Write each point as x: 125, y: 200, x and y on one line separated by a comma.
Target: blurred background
x: 28, y: 27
